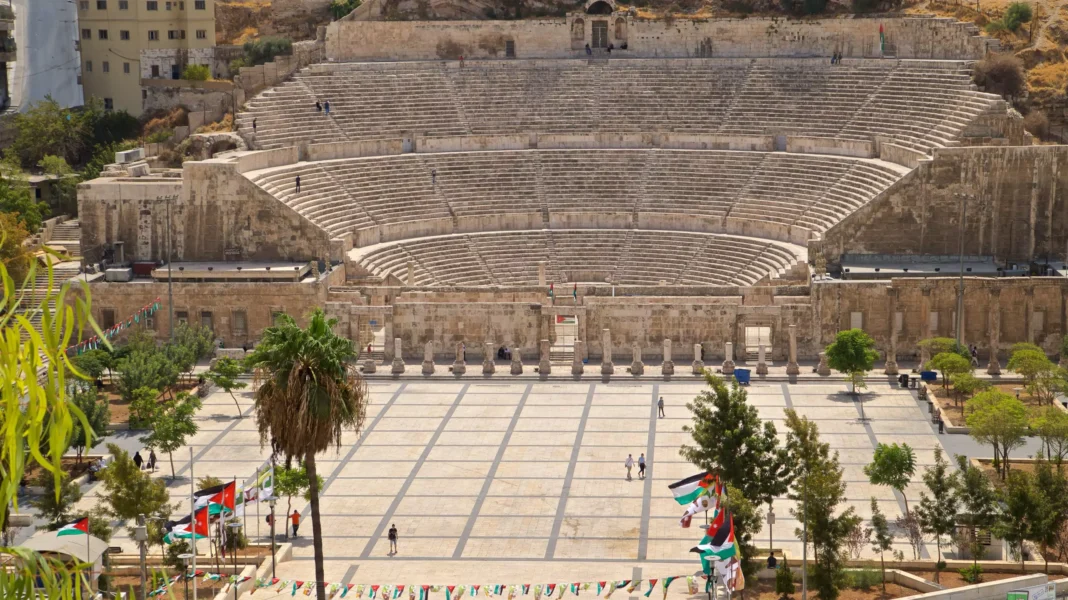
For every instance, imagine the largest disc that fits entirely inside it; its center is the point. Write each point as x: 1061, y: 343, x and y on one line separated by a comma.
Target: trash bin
x: 903, y: 380
x: 742, y: 376
x: 929, y: 376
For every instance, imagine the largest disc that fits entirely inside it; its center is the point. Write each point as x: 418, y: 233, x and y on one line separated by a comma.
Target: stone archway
x: 600, y: 7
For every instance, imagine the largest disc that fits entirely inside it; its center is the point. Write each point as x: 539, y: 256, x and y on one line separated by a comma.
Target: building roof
x: 75, y: 546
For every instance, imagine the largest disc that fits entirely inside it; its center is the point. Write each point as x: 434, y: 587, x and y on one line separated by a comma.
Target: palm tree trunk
x: 317, y: 527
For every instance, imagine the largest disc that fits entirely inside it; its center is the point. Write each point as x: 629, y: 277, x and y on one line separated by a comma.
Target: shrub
x: 236, y: 64
x: 863, y: 579
x: 196, y: 73
x: 784, y: 580
x: 265, y: 49
x: 1001, y: 74
x: 160, y: 136
x: 972, y: 574
x: 1037, y: 124
x: 174, y: 551
x: 1017, y: 14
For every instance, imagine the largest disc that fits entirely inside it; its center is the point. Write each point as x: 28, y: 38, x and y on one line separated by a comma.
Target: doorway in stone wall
x: 600, y: 34
x: 754, y: 337
x: 372, y: 335
x: 563, y: 348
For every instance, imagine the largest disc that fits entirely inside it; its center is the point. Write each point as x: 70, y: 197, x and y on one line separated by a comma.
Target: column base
x: 608, y: 369
x: 398, y: 366
x: 517, y: 368
x: 698, y: 367
x: 994, y: 368
x: 488, y: 368
x: 544, y: 368
x: 428, y: 367
x: 728, y: 367
x: 369, y: 366
x: 792, y: 368
x: 891, y: 367
x: 459, y: 368
x: 576, y: 368
x: 762, y: 368
x: 668, y: 368
x: 637, y: 368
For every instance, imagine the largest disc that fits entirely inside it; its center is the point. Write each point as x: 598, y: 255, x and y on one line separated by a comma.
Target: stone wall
x: 215, y: 98
x: 254, y: 79
x: 1015, y: 207
x: 912, y: 37
x: 164, y: 58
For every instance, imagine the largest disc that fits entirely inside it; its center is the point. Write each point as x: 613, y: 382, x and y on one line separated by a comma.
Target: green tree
x: 173, y: 425
x: 938, y: 345
x: 129, y: 491
x: 852, y: 353
x: 882, y: 540
x: 89, y: 364
x: 998, y: 419
x: 65, y: 186
x: 978, y: 500
x: 17, y: 198
x: 209, y: 481
x: 224, y: 373
x: 937, y: 513
x: 820, y: 490
x: 97, y: 415
x: 1064, y: 351
x: 104, y: 155
x: 48, y: 128
x: 144, y: 407
x: 56, y: 503
x: 145, y: 369
x: 292, y: 481
x: 747, y: 523
x: 1050, y: 424
x: 14, y: 255
x: 1017, y: 14
x: 1053, y: 511
x: 191, y: 344
x: 196, y: 73
x: 966, y: 385
x: 1029, y: 364
x: 949, y: 364
x: 264, y: 49
x: 1022, y: 514
x: 784, y: 581
x: 892, y: 466
x: 310, y: 394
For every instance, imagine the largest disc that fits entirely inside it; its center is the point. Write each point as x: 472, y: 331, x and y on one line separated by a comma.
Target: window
x: 153, y: 35
x: 37, y: 193
x: 107, y: 318
x: 88, y: 66
x: 856, y: 320
x: 207, y: 320
x: 102, y: 34
x: 150, y: 321
x: 899, y: 321
x: 124, y: 4
x: 87, y: 34
x: 109, y: 104
x: 932, y: 322
x: 202, y: 34
x: 84, y: 5
x: 152, y: 5
x: 200, y: 4
x: 173, y: 34
x: 168, y: 6
x: 181, y: 5
x: 155, y: 70
x: 240, y: 323
x: 126, y: 68
x: 124, y: 35
x: 181, y: 316
x: 106, y: 67
x: 101, y: 4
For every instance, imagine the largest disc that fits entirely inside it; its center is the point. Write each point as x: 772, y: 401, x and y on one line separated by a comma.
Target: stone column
x: 544, y: 368
x: 669, y: 367
x: 1029, y: 313
x: 541, y: 273
x: 576, y: 361
x: 517, y: 361
x: 925, y: 307
x: 994, y: 366
x: 607, y: 368
x: 891, y: 352
x: 488, y: 364
x: 762, y: 365
x: 398, y: 360
x: 459, y: 367
x: 411, y: 273
x: 698, y: 360
x: 823, y: 368
x: 791, y: 365
x: 728, y: 359
x: 637, y: 367
x: 428, y: 358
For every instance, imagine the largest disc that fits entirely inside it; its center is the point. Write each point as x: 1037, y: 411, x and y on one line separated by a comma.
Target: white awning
x: 76, y: 546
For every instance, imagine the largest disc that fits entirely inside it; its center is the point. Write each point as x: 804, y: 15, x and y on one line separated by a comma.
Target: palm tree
x: 309, y: 395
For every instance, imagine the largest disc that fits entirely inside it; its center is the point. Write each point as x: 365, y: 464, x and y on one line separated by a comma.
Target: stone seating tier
x: 624, y: 257
x: 920, y: 104
x: 786, y: 189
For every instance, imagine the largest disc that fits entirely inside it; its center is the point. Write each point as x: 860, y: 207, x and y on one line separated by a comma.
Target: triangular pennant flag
x: 550, y: 588
x: 526, y: 589
x: 575, y: 589
x: 374, y: 590
x: 398, y: 591
x: 652, y: 585
x: 296, y: 584
x: 600, y: 586
x: 448, y: 591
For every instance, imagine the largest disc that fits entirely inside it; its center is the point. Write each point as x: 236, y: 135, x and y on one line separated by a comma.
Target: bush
x: 784, y: 580
x: 1037, y: 124
x: 1001, y: 74
x: 178, y: 548
x: 160, y: 136
x: 235, y: 542
x: 196, y: 73
x: 972, y: 574
x: 265, y: 49
x: 863, y: 579
x: 1017, y: 14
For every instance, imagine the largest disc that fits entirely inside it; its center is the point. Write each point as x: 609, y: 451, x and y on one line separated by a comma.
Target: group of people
x: 836, y: 58
x: 323, y: 105
x: 149, y: 465
x: 609, y: 49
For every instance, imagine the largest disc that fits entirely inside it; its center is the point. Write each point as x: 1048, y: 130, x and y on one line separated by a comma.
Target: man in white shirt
x: 629, y: 464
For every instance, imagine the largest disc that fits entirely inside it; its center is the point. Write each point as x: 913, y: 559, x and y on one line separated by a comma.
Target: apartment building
x: 117, y: 37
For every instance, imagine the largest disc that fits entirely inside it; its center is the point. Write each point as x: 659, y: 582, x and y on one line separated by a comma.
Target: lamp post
x: 185, y: 561
x: 235, y: 528
x: 271, y: 502
x: 141, y: 537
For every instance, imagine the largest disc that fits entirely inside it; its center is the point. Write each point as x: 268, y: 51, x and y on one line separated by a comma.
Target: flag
x: 689, y: 489
x: 717, y: 523
x: 552, y: 292
x: 79, y: 527
x: 600, y: 586
x: 719, y: 547
x: 574, y: 292
x: 217, y: 498
x: 666, y: 583
x: 265, y: 485
x: 882, y: 40
x: 731, y: 575
x: 701, y: 504
x: 652, y: 586
x: 239, y: 502
x: 397, y: 591
x: 181, y: 529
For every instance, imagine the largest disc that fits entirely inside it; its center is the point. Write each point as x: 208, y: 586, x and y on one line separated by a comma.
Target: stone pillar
x: 517, y: 361
x: 398, y: 360
x: 459, y: 367
x: 369, y: 365
x: 488, y: 364
x: 925, y: 307
x: 428, y: 358
x: 823, y: 368
x: 994, y: 366
x: 544, y: 368
x: 891, y: 352
x: 698, y: 360
x: 541, y: 273
x: 728, y: 359
x: 791, y: 365
x: 1029, y: 313
x: 607, y: 368
x: 637, y: 367
x: 669, y: 367
x: 576, y: 361
x: 411, y: 273
x: 762, y: 365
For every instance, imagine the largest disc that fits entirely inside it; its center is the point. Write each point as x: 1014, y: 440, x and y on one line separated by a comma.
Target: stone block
x: 517, y: 361
x: 698, y: 360
x: 637, y: 367
x: 544, y: 366
x: 576, y: 361
x: 459, y: 367
x: 823, y: 368
x: 488, y: 364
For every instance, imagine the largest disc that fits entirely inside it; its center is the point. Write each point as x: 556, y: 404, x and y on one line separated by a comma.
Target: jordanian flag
x: 182, y: 530
x: 216, y: 498
x: 689, y: 489
x: 79, y: 527
x: 721, y: 546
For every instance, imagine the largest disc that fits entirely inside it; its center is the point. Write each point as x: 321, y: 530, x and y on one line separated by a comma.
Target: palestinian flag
x: 721, y: 546
x: 689, y: 489
x: 181, y: 529
x: 700, y: 505
x: 79, y: 527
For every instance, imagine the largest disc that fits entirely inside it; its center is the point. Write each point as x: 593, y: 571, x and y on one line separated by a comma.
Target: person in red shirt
x: 295, y: 518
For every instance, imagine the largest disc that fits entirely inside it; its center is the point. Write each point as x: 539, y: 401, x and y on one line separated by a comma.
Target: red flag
x: 225, y: 497
x: 716, y: 524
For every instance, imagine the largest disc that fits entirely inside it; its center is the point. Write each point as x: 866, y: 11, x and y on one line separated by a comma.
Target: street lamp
x: 235, y: 527
x: 271, y: 502
x: 185, y: 561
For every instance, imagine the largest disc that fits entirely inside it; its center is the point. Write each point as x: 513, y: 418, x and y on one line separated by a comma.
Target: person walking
x: 975, y: 355
x: 641, y: 466
x: 660, y: 407
x: 295, y: 518
x: 253, y: 125
x: 138, y: 460
x: 152, y: 460
x: 629, y: 464
x: 393, y: 539
x: 298, y: 184
x: 318, y: 106
x: 326, y: 107
x: 433, y: 176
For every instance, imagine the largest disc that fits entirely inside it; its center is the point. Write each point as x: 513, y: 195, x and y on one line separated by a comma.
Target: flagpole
x: 193, y: 521
x: 88, y: 528
x: 256, y: 487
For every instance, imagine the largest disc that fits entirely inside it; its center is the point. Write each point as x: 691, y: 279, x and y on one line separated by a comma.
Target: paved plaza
x: 524, y: 481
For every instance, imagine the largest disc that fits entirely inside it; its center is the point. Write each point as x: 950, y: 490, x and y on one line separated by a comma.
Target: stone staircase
x: 69, y: 235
